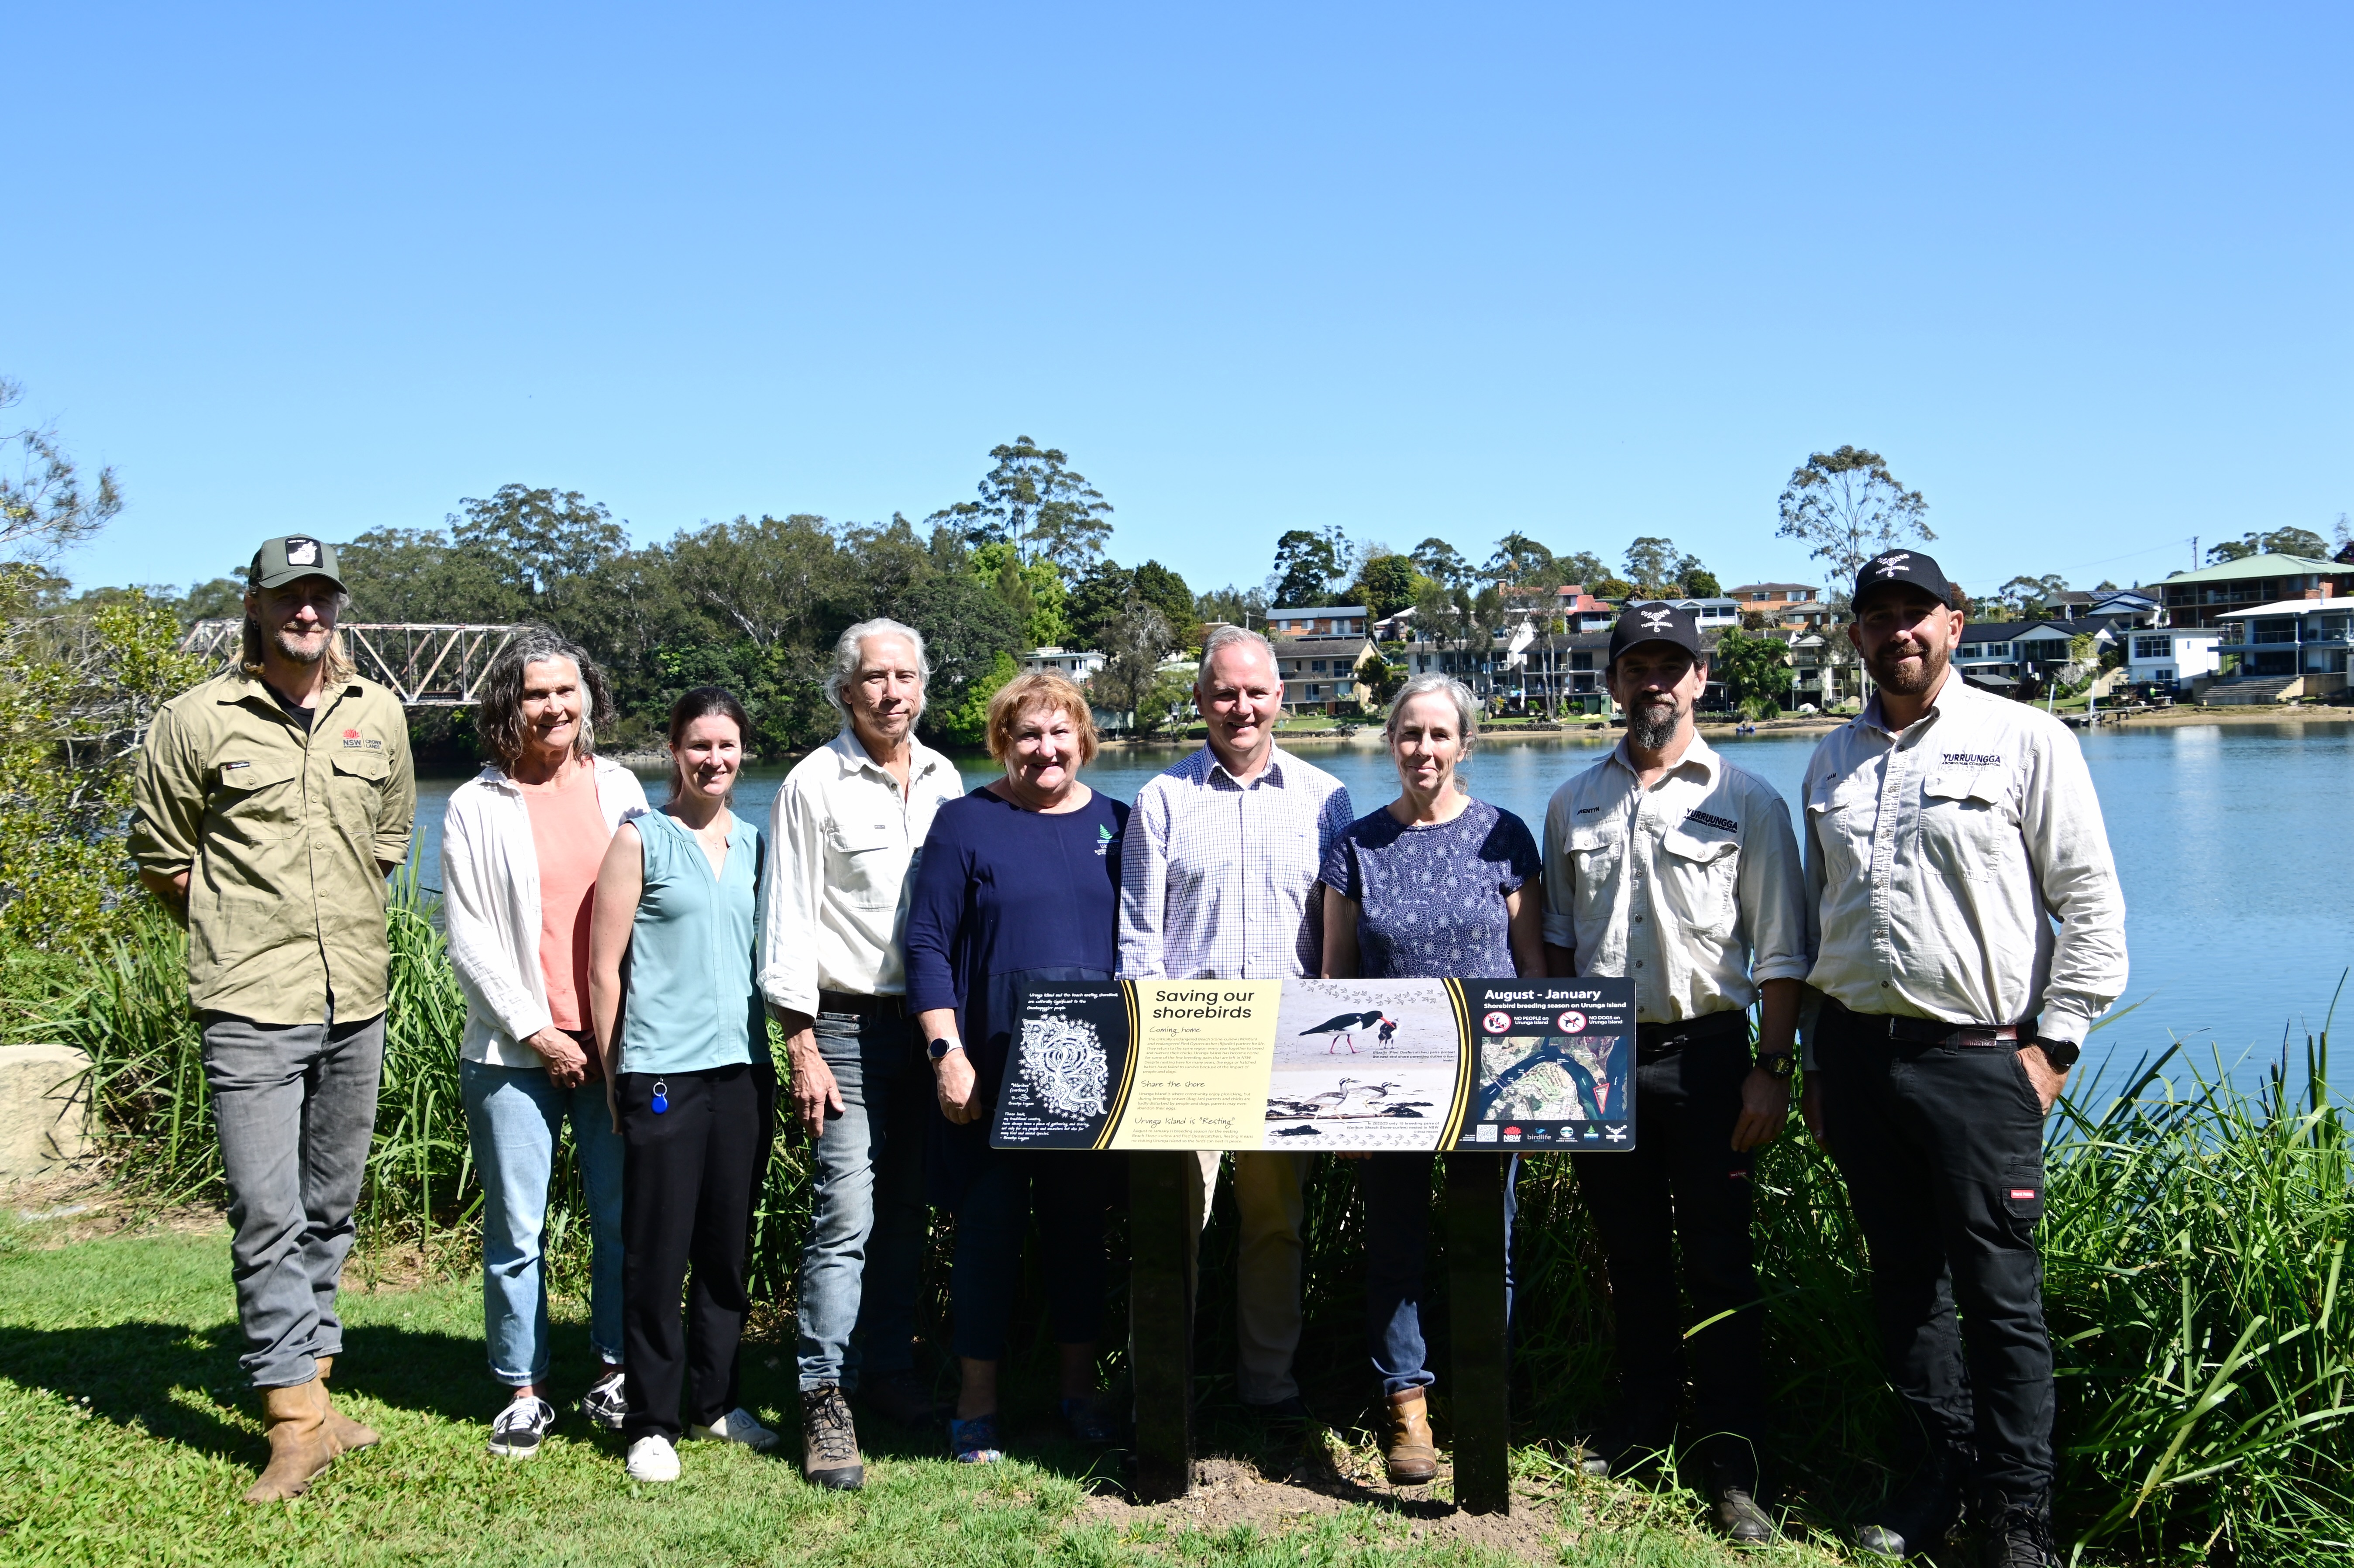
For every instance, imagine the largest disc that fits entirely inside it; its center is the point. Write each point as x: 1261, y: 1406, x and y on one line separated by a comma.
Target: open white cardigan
x: 489, y: 906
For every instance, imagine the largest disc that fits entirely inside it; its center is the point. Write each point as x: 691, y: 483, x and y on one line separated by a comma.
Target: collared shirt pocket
x: 1696, y: 876
x: 859, y: 864
x: 1969, y: 826
x: 357, y: 788
x: 257, y: 799
x: 1842, y: 810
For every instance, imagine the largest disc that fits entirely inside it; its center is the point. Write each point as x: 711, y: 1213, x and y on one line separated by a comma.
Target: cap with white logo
x: 1892, y: 569
x: 1656, y: 622
x: 282, y: 561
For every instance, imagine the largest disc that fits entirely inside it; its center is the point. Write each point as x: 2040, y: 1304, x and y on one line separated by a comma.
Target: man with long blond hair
x: 271, y: 803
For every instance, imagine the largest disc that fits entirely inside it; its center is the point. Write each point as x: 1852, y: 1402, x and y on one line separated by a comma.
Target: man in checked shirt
x: 1218, y: 882
x: 1948, y: 831
x: 1668, y: 865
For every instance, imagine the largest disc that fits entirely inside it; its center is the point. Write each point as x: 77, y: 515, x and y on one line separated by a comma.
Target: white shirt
x: 1938, y: 857
x: 1216, y: 876
x: 1690, y: 887
x: 843, y: 844
x: 490, y: 907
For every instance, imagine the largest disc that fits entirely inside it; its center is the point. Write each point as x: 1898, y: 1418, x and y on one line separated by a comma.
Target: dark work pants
x: 1071, y: 1194
x: 690, y: 1176
x: 1684, y: 1183
x: 1397, y: 1237
x: 1941, y: 1147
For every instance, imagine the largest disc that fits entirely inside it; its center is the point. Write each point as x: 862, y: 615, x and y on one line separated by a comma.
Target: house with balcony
x: 2170, y: 656
x: 1076, y: 663
x: 2204, y: 597
x: 1782, y: 604
x: 2293, y: 648
x: 1319, y: 620
x: 1319, y: 673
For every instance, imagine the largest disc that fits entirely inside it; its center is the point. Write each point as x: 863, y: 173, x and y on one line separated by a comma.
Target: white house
x: 2171, y: 657
x: 1077, y: 663
x: 2297, y: 637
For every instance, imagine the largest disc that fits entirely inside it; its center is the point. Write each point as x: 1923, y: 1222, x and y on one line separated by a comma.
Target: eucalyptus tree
x: 1847, y: 507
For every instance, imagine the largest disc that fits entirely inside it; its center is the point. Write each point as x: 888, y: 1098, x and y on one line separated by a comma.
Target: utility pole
x: 2194, y: 552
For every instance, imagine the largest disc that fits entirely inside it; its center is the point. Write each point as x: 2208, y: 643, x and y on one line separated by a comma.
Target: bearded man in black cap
x: 1948, y: 831
x: 1668, y: 865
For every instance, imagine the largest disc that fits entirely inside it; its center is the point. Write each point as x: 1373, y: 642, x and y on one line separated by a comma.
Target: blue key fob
x: 662, y: 1097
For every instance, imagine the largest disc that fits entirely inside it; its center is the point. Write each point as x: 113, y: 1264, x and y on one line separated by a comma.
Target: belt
x: 860, y: 1002
x: 1655, y: 1041
x: 1928, y: 1031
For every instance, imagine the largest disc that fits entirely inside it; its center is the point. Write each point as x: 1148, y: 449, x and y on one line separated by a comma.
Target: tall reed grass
x: 2195, y: 1242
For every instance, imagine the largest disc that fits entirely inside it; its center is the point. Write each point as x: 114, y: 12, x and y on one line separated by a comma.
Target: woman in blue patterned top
x: 1434, y: 886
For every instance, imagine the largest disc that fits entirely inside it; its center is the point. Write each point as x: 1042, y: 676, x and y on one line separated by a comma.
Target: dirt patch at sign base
x: 1228, y: 1492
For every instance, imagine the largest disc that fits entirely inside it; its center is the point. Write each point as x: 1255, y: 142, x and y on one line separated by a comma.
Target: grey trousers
x: 295, y: 1104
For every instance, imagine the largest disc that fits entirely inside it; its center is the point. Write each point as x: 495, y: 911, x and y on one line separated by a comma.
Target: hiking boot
x: 738, y: 1425
x: 651, y: 1459
x: 1409, y: 1456
x: 1732, y: 1502
x: 902, y: 1397
x: 829, y: 1442
x: 2017, y: 1532
x: 344, y: 1434
x: 1922, y: 1513
x: 1621, y: 1449
x: 515, y: 1431
x: 606, y: 1403
x: 299, y: 1448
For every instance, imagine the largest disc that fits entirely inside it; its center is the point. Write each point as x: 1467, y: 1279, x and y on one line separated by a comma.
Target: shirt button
x: 1639, y: 963
x: 1884, y: 985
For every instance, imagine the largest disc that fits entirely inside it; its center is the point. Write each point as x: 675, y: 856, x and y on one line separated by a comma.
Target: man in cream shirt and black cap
x: 1668, y: 865
x: 1966, y: 929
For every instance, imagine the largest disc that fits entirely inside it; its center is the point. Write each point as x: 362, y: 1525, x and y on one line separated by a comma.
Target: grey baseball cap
x: 281, y: 561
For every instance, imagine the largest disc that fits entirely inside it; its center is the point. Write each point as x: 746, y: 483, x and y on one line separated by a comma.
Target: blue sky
x: 2081, y: 274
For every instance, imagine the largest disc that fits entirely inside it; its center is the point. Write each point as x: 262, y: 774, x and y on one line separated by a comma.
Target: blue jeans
x: 1072, y: 1195
x: 1397, y: 1234
x: 862, y: 1264
x: 512, y: 1116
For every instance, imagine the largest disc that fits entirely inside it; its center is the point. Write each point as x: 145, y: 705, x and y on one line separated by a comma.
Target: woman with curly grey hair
x: 520, y: 849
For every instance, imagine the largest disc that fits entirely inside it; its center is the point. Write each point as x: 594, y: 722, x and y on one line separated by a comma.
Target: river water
x: 2240, y: 916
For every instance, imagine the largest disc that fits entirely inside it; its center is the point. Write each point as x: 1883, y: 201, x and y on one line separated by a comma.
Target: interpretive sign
x: 1474, y: 1064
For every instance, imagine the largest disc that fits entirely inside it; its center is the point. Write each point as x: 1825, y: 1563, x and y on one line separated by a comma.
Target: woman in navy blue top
x: 1019, y: 884
x: 1435, y: 886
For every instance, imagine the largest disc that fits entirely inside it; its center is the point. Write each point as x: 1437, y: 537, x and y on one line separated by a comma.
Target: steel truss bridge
x: 424, y: 666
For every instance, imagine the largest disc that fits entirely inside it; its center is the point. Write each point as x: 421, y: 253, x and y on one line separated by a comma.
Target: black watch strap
x: 1778, y: 1064
x: 2061, y: 1053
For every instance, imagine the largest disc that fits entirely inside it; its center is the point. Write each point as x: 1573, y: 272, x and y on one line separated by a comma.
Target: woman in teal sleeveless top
x: 672, y: 956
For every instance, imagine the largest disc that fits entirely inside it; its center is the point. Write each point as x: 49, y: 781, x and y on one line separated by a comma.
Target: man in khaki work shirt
x: 271, y: 803
x: 1666, y: 865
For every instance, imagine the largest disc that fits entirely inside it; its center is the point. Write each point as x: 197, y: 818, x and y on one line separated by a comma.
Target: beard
x: 1651, y: 722
x: 1892, y: 676
x: 292, y: 645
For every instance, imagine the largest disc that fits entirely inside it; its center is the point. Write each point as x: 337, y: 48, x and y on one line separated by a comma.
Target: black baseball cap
x: 1902, y: 569
x: 1656, y: 622
x: 281, y: 561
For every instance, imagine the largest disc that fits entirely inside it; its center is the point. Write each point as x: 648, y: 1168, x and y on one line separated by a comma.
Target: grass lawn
x: 129, y: 1435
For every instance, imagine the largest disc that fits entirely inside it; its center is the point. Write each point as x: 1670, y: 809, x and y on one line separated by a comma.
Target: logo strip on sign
x: 1127, y: 1067
x: 1466, y: 1069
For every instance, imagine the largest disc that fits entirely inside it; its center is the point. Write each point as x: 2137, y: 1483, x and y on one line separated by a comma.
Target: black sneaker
x: 1620, y: 1451
x: 1922, y: 1513
x: 1732, y: 1502
x: 605, y: 1404
x: 2017, y: 1533
x: 516, y: 1430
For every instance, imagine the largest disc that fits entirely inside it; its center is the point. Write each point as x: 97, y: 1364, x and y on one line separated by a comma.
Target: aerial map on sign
x: 1351, y: 1065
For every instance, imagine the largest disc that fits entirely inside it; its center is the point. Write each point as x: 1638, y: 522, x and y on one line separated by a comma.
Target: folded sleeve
x: 788, y: 905
x: 1772, y: 890
x: 1560, y: 876
x: 2077, y: 878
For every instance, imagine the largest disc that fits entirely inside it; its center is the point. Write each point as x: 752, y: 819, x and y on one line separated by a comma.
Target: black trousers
x: 690, y: 1176
x: 1684, y: 1184
x: 1942, y: 1148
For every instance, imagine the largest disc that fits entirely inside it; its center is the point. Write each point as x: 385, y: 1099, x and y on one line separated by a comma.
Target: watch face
x: 939, y: 1048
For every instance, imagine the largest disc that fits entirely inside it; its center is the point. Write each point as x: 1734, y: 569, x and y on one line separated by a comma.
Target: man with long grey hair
x: 271, y: 803
x: 1218, y: 882
x: 521, y: 845
x: 842, y: 836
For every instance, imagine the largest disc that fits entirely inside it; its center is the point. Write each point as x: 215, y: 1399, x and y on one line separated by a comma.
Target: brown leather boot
x: 344, y: 1434
x: 299, y: 1448
x: 1413, y: 1456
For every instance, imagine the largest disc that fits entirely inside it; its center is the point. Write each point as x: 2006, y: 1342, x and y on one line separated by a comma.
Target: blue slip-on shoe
x: 974, y: 1442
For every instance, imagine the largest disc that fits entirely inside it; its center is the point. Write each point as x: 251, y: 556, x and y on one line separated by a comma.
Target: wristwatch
x: 1779, y: 1064
x: 941, y: 1047
x: 2061, y: 1053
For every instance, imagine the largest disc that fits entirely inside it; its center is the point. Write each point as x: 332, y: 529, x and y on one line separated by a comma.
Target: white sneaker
x: 738, y: 1425
x: 516, y: 1430
x: 651, y: 1459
